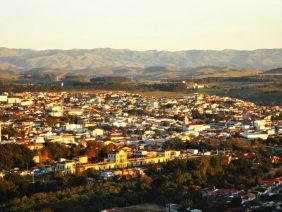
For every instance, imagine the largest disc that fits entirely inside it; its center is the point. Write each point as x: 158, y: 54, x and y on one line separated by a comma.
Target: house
x: 128, y: 151
x: 65, y: 138
x: 195, y: 86
x: 119, y: 123
x: 207, y: 153
x: 255, y: 135
x: 172, y: 207
x: 75, y: 112
x: 56, y: 113
x: 3, y: 98
x: 188, y: 134
x: 26, y: 102
x: 106, y: 175
x: 34, y: 146
x: 198, y: 127
x: 73, y: 127
x: 193, y: 151
x: 260, y: 124
x: 36, y: 159
x: 14, y: 100
x: 2, y: 174
x: 116, y: 136
x: 170, y: 154
x: 140, y: 153
x: 83, y: 159
x: 40, y: 139
x: 98, y: 132
x: 152, y: 153
x: 65, y: 166
x: 119, y: 157
x: 184, y: 136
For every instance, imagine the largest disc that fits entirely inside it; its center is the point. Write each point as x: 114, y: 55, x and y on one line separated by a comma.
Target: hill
x: 276, y: 71
x: 148, y: 73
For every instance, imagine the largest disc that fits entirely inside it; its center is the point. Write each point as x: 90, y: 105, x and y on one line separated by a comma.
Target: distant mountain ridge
x: 276, y: 71
x: 112, y: 59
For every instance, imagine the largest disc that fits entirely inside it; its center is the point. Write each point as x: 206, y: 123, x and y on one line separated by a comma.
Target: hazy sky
x: 141, y: 24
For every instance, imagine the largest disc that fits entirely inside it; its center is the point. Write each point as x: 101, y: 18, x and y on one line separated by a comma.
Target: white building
x: 255, y: 135
x: 98, y: 132
x: 140, y: 153
x: 3, y: 98
x: 14, y: 100
x: 26, y: 102
x: 193, y: 151
x: 40, y: 140
x: 198, y: 127
x: 73, y: 127
x: 260, y: 124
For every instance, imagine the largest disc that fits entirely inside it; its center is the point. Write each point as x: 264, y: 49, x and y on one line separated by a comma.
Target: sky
x: 141, y: 24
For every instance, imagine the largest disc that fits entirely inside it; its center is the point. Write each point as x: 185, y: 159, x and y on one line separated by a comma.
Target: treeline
x: 111, y: 79
x: 167, y: 86
x: 252, y: 79
x: 15, y: 156
x: 29, y: 87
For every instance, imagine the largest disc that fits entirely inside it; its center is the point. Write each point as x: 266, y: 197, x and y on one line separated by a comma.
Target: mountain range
x: 106, y: 61
x: 95, y: 58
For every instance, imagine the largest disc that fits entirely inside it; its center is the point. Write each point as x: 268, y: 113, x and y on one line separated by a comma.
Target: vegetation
x: 14, y: 155
x: 56, y: 151
x: 115, y: 79
x: 177, y: 181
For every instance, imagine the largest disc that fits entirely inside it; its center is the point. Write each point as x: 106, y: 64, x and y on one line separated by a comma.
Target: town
x: 122, y: 135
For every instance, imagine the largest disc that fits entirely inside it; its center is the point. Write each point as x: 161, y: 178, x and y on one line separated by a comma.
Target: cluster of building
x: 126, y: 119
x: 260, y: 197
